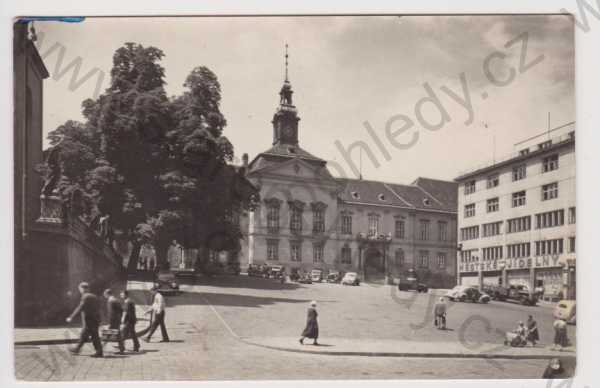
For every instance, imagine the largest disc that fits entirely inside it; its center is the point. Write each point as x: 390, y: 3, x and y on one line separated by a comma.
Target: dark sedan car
x: 166, y: 282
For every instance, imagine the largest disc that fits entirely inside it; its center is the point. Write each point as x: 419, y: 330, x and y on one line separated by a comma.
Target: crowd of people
x: 121, y: 317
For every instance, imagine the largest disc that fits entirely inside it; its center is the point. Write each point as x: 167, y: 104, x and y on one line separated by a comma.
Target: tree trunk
x: 134, y: 256
x: 161, y: 256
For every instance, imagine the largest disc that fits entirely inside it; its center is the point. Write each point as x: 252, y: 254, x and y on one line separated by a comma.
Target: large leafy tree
x: 158, y: 166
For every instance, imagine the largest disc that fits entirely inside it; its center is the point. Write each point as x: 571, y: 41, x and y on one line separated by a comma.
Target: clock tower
x: 285, y: 119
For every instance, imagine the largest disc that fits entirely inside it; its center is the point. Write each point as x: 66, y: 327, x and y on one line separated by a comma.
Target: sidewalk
x: 394, y: 348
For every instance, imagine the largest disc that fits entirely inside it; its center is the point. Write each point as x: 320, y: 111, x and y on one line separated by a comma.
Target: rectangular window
x: 423, y: 230
x: 317, y: 253
x: 443, y: 230
x: 272, y: 249
x: 295, y: 219
x: 469, y: 255
x: 519, y: 172
x: 572, y: 215
x: 424, y: 259
x: 318, y: 221
x: 441, y: 260
x: 519, y: 199
x: 399, y: 229
x: 492, y: 253
x: 571, y: 244
x: 399, y: 257
x: 492, y: 229
x: 549, y: 247
x: 549, y: 191
x: 346, y: 224
x: 469, y: 187
x: 493, y: 205
x: 295, y: 251
x: 470, y: 210
x: 514, y: 251
x: 520, y: 224
x: 493, y: 181
x: 373, y: 224
x: 550, y: 163
x: 544, y: 145
x: 550, y: 219
x: 346, y: 255
x: 273, y: 219
x: 469, y: 233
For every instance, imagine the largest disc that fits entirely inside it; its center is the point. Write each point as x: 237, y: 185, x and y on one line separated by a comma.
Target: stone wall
x: 55, y: 259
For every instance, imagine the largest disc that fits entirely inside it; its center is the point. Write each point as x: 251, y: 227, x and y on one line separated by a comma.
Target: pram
x: 514, y: 339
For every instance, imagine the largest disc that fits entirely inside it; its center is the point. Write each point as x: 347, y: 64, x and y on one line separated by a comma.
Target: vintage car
x: 276, y: 271
x: 467, y: 294
x: 411, y: 282
x: 316, y: 275
x: 305, y: 279
x: 350, y: 278
x: 333, y: 277
x: 519, y: 293
x: 166, y: 283
x: 565, y: 310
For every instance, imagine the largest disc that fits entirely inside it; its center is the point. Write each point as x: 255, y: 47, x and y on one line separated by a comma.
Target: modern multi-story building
x: 309, y: 219
x: 516, y: 217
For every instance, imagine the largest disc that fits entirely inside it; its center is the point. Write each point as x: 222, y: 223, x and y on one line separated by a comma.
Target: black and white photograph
x: 295, y: 197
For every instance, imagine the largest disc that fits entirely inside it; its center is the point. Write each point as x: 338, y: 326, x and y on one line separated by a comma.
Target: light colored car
x: 565, y: 310
x: 350, y: 278
x: 467, y: 294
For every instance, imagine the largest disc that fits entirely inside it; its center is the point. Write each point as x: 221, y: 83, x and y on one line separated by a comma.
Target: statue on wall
x: 54, y: 172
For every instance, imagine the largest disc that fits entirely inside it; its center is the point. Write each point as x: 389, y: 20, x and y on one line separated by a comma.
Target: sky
x: 399, y: 84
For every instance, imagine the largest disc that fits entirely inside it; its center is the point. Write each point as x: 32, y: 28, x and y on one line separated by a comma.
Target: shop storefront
x: 550, y: 281
x: 469, y: 279
x: 518, y: 277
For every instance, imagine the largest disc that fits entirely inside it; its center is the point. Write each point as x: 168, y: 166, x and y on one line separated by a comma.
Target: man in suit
x: 90, y: 320
x: 158, y: 309
x: 129, y: 320
x: 115, y: 314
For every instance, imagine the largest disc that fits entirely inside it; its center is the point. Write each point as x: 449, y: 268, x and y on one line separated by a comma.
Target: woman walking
x: 560, y: 335
x: 312, y: 326
x: 532, y: 331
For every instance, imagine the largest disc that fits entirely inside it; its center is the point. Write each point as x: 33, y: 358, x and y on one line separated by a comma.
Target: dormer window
x: 426, y: 202
x: 355, y: 195
x: 381, y: 197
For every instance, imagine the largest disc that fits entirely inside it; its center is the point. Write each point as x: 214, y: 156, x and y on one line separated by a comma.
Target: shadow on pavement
x: 233, y: 300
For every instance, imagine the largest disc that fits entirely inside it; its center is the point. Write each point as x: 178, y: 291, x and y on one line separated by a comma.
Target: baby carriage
x: 515, y: 339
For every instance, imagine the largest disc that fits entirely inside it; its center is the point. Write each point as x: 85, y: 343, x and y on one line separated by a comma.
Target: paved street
x: 214, y: 324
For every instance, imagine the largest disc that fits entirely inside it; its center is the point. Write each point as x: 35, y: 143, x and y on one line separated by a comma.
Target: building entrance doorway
x: 374, y: 265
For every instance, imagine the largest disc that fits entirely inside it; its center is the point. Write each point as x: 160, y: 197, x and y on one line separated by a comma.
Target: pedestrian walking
x: 312, y: 326
x: 129, y: 320
x: 115, y: 315
x: 158, y: 319
x: 90, y: 320
x: 560, y: 335
x: 439, y: 311
x: 532, y: 331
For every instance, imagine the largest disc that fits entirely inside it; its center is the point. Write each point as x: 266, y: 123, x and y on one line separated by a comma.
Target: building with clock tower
x: 308, y: 219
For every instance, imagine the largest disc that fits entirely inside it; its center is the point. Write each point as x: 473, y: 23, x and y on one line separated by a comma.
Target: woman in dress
x: 560, y: 334
x: 532, y: 331
x: 312, y: 326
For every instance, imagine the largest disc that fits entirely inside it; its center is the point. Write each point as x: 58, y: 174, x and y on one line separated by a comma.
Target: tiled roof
x: 444, y: 191
x: 280, y: 153
x: 410, y: 196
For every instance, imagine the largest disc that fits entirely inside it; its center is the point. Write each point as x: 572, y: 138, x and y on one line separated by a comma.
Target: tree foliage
x: 159, y: 166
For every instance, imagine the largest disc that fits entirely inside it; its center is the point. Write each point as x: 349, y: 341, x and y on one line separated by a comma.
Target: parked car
x: 276, y: 271
x: 565, y: 310
x: 411, y: 282
x: 334, y: 277
x: 519, y: 293
x: 166, y: 282
x: 350, y: 278
x: 294, y: 275
x: 316, y: 275
x: 305, y: 279
x: 467, y: 294
x: 255, y: 270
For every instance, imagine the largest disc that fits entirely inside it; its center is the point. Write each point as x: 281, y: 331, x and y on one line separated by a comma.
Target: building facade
x: 516, y: 218
x: 309, y: 219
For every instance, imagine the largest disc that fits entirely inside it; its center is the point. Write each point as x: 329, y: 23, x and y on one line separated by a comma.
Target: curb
x: 65, y: 341
x: 413, y: 354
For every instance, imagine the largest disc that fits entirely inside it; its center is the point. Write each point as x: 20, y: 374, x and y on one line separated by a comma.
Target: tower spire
x: 286, y: 62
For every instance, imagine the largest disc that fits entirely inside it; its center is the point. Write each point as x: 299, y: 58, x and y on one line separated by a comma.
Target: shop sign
x: 546, y: 261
